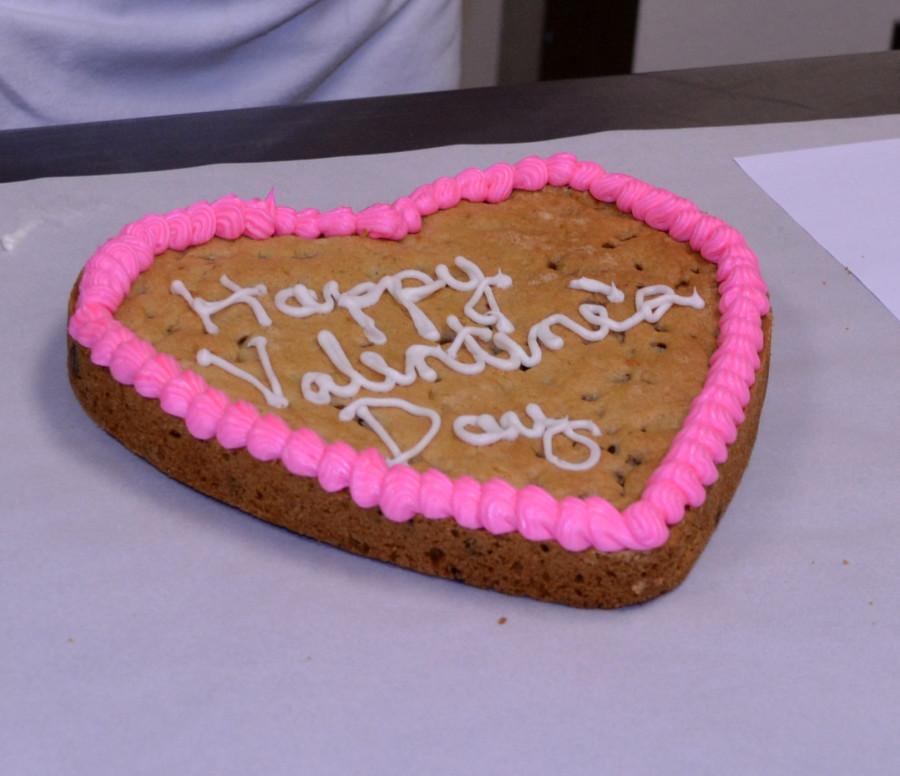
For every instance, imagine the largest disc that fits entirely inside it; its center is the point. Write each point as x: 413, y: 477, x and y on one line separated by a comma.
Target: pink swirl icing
x: 607, y: 526
x: 667, y: 498
x: 267, y: 437
x: 152, y: 377
x: 531, y: 174
x: 128, y: 358
x: 584, y: 174
x: 259, y: 218
x: 339, y: 222
x: 89, y: 323
x: 424, y: 199
x: 153, y: 230
x: 177, y: 394
x: 285, y: 220
x: 536, y: 513
x: 560, y: 168
x: 573, y: 528
x: 107, y: 269
x: 400, y: 491
x: 335, y: 466
x: 409, y: 213
x: 229, y: 213
x: 307, y: 224
x: 367, y: 478
x: 466, y: 502
x: 646, y: 524
x: 400, y: 494
x: 500, y: 179
x: 381, y: 222
x: 473, y: 185
x: 180, y: 229
x: 446, y: 193
x: 132, y: 253
x: 235, y: 425
x: 497, y: 510
x: 706, y: 436
x: 205, y: 412
x: 203, y: 222
x: 302, y: 452
x: 114, y: 335
x: 436, y: 497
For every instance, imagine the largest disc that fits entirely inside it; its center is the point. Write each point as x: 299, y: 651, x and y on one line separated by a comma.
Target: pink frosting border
x: 401, y: 492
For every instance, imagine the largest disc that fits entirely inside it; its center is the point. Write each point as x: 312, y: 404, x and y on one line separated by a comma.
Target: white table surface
x: 147, y: 629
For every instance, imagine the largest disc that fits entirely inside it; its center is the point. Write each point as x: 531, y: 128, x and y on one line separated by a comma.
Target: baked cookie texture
x: 638, y: 386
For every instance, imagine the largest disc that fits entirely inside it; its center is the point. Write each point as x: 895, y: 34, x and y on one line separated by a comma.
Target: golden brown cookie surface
x: 636, y: 386
x: 135, y: 362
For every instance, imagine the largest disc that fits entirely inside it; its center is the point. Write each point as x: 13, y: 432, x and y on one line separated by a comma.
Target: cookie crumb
x: 501, y: 621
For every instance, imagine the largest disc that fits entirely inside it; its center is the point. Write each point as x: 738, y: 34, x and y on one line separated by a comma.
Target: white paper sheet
x: 147, y: 629
x: 848, y: 198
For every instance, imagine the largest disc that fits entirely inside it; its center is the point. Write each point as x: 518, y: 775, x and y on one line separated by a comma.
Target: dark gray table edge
x: 793, y: 90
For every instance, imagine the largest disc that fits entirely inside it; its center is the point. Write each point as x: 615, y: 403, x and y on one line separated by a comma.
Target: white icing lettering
x: 299, y: 301
x: 598, y: 287
x: 361, y: 408
x: 651, y: 303
x: 272, y: 393
x: 473, y: 348
x: 239, y: 295
x: 491, y: 430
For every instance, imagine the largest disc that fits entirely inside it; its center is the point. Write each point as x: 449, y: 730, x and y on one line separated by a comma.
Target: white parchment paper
x: 848, y: 198
x: 147, y: 629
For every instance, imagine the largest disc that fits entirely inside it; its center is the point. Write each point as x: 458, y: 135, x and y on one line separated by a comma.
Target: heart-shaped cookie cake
x: 540, y: 378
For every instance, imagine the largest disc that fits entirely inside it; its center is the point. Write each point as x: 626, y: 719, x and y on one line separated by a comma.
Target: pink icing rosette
x: 400, y: 491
